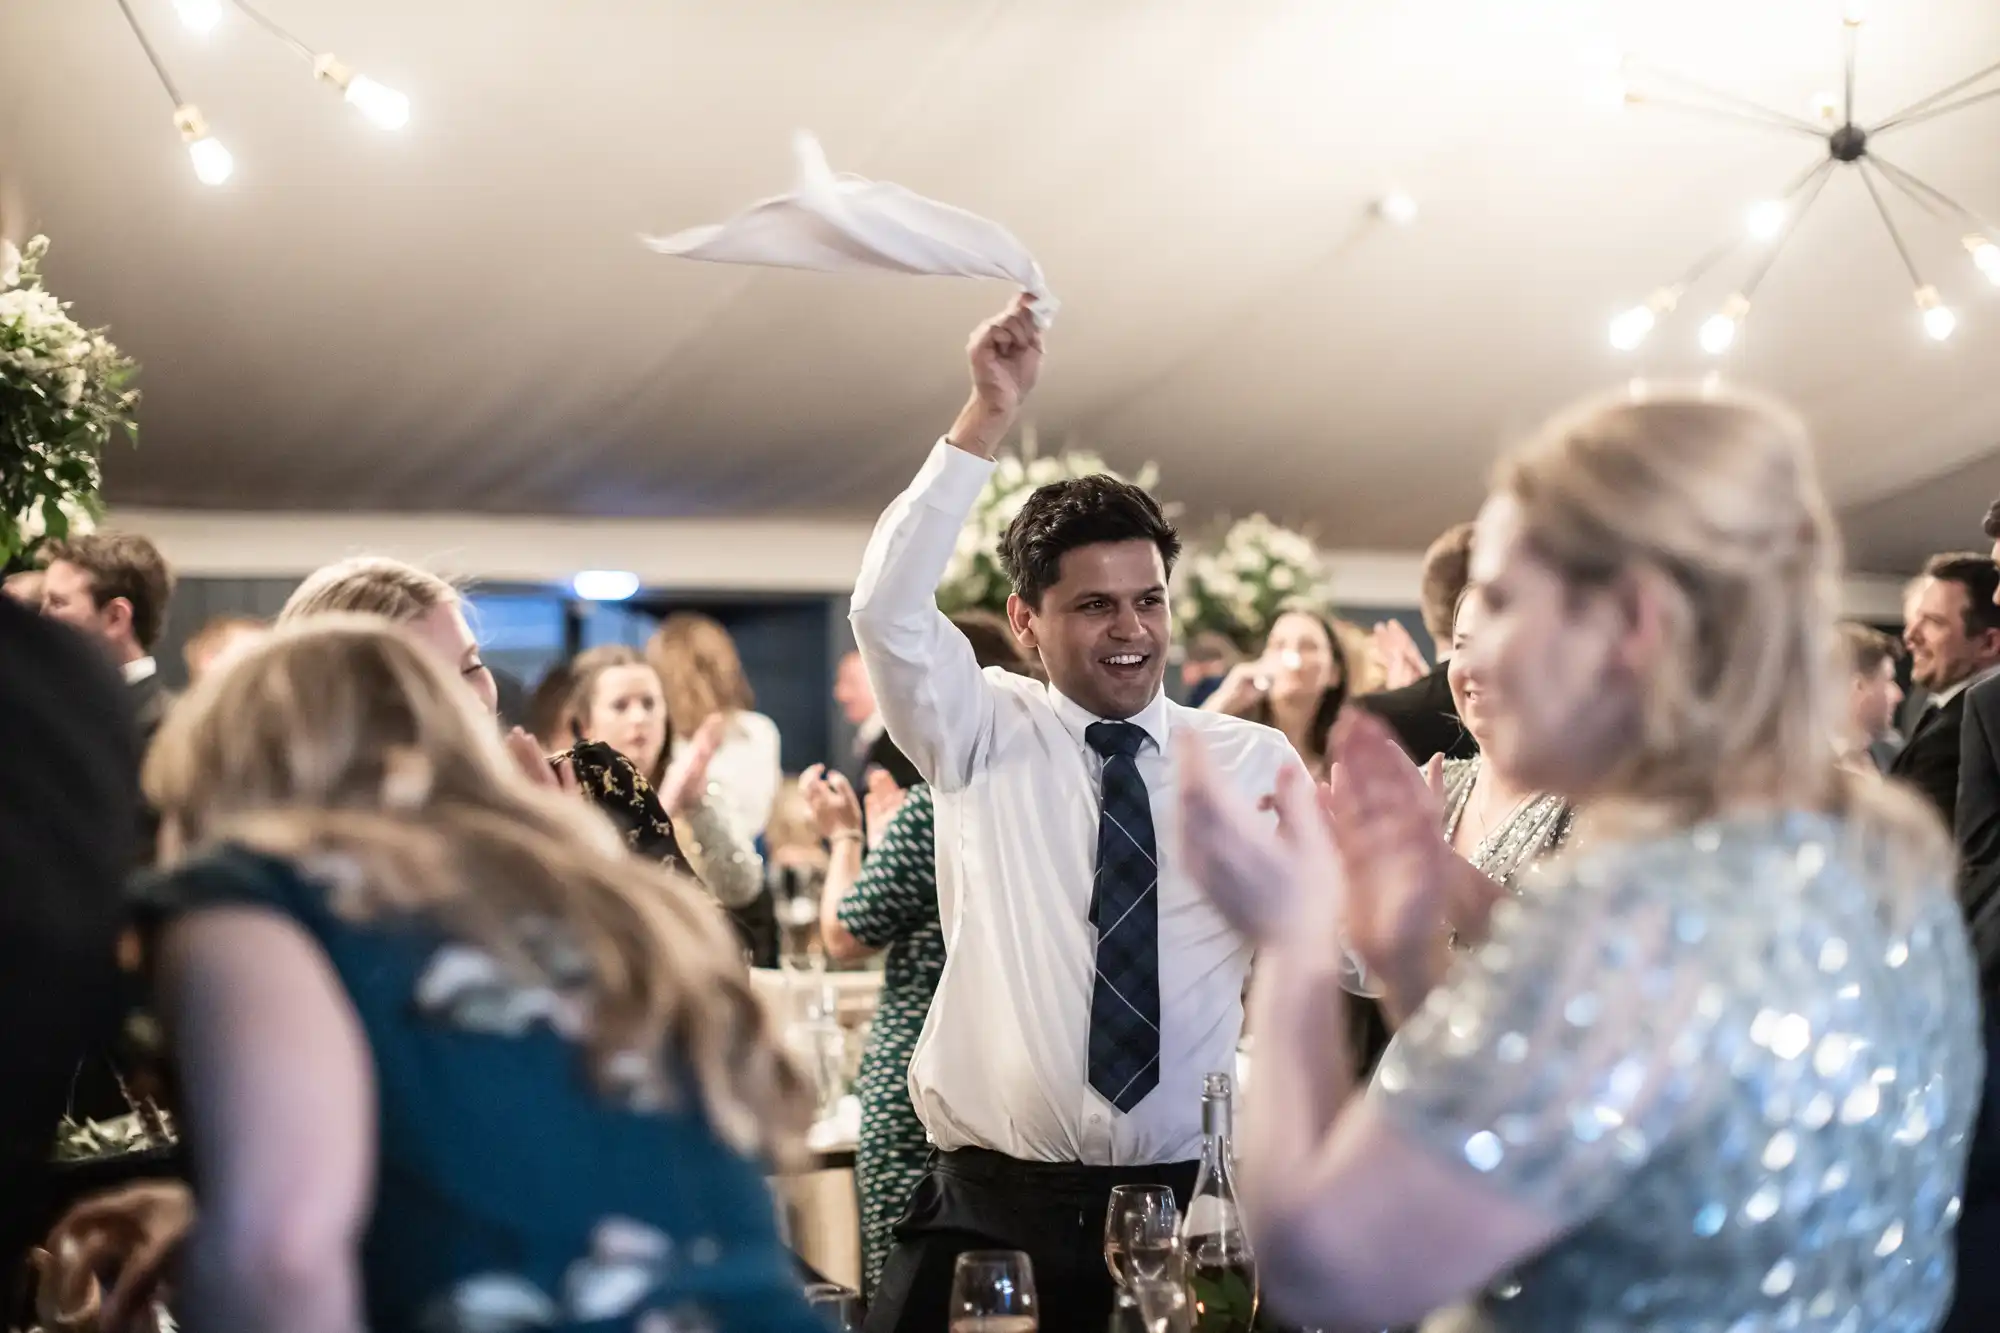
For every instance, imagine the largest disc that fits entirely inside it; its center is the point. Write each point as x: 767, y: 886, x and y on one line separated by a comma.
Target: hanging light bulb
x: 199, y: 15
x: 1854, y: 13
x: 1629, y: 329
x: 1397, y: 207
x: 1826, y: 107
x: 212, y: 162
x: 1985, y: 256
x: 1718, y: 333
x: 1765, y: 220
x: 380, y: 103
x: 1939, y: 322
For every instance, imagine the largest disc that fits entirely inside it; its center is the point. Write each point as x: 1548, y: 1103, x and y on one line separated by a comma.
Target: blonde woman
x: 453, y: 1060
x: 429, y: 610
x: 704, y: 678
x: 1717, y: 1066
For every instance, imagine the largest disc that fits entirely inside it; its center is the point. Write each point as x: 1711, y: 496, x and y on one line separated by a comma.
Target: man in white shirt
x: 115, y: 587
x: 1089, y: 985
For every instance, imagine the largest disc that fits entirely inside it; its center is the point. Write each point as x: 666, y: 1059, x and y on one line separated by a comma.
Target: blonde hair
x: 369, y: 585
x: 1716, y: 505
x: 341, y: 746
x: 699, y: 669
x: 586, y: 670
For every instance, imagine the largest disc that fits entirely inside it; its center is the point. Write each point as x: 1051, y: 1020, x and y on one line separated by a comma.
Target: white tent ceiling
x: 459, y: 317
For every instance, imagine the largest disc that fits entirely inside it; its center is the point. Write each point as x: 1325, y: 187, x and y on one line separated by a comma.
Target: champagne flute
x: 993, y: 1291
x: 837, y: 1307
x: 1139, y: 1226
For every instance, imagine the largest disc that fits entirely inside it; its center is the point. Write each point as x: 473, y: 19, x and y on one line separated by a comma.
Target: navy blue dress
x: 510, y: 1192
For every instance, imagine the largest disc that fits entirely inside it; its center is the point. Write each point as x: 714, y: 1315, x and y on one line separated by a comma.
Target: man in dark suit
x: 68, y: 813
x: 872, y: 746
x: 1952, y: 629
x: 115, y: 586
x: 1422, y: 713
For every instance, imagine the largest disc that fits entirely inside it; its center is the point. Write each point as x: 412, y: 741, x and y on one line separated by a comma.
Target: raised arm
x: 927, y: 683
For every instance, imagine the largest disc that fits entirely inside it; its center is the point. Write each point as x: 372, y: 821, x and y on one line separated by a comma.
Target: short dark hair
x: 1447, y: 569
x: 1081, y: 511
x: 1867, y: 648
x: 1980, y: 578
x: 122, y: 564
x: 1992, y: 524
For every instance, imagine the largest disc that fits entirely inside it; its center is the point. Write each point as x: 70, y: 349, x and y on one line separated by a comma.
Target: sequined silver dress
x: 1739, y: 1064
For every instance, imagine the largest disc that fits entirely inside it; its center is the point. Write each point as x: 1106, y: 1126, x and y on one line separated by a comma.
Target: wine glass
x: 1139, y: 1227
x: 993, y: 1291
x: 838, y: 1308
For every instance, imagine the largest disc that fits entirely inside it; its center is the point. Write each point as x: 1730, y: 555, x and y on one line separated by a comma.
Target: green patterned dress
x: 894, y: 905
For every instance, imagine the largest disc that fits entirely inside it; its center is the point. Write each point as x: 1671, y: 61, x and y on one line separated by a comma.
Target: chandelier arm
x: 1895, y: 233
x: 146, y: 45
x: 1852, y: 34
x: 1936, y: 111
x: 1898, y: 117
x: 1916, y: 186
x: 1744, y: 105
x: 1814, y: 182
x: 270, y: 25
x: 1761, y: 121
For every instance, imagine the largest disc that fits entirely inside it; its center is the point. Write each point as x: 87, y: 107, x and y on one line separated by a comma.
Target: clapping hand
x: 527, y: 754
x: 1267, y: 882
x: 1402, y: 661
x: 135, y: 1233
x: 686, y: 780
x: 831, y: 802
x: 1005, y: 357
x: 1241, y: 688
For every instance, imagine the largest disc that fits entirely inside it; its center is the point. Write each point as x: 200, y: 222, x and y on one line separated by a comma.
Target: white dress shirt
x: 746, y: 772
x: 1002, y: 1060
x: 140, y: 668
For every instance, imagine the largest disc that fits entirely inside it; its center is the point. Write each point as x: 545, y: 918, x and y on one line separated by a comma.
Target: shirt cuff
x: 951, y: 479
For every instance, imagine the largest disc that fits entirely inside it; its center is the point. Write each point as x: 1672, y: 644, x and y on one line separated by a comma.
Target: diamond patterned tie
x: 1125, y: 908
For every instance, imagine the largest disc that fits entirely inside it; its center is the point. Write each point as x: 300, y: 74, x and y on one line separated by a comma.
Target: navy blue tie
x: 1125, y: 908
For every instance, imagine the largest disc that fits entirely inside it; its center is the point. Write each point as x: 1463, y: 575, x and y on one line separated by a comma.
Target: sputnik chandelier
x: 1848, y: 143
x: 213, y: 163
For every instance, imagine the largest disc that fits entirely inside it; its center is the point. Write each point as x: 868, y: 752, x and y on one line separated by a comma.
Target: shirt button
x: 1097, y: 1120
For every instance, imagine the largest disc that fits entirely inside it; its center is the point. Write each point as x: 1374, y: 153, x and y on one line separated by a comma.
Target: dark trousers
x: 973, y: 1199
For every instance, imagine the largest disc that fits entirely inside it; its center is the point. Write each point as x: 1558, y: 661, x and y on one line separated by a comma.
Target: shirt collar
x: 1943, y: 697
x: 140, y: 668
x: 1152, y: 719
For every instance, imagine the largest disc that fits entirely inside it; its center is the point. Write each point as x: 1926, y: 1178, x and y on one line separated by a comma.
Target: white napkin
x: 840, y: 223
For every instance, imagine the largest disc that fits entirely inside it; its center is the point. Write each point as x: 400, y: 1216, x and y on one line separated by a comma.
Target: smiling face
x: 1102, y: 627
x: 1550, y: 667
x: 628, y: 712
x: 1300, y: 657
x: 1942, y: 651
x: 1466, y: 694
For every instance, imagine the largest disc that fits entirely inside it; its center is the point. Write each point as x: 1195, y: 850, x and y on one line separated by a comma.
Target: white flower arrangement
x: 974, y: 580
x: 1237, y: 586
x: 63, y: 395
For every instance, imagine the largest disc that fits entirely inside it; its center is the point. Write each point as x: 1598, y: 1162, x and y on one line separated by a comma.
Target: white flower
x: 1282, y: 579
x: 10, y: 264
x: 72, y: 386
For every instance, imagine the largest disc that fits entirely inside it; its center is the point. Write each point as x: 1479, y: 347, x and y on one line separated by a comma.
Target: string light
x: 212, y: 162
x: 1718, y: 333
x: 381, y: 104
x: 1765, y: 220
x: 1631, y: 328
x: 199, y: 15
x: 1985, y: 256
x: 1397, y: 207
x: 1939, y: 322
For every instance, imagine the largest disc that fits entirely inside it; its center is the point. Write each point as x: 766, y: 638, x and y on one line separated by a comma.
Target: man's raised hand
x: 1005, y: 358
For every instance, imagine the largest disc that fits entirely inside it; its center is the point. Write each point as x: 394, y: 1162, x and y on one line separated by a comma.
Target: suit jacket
x: 1424, y: 718
x: 1977, y: 825
x: 149, y: 701
x: 1929, y: 763
x: 68, y: 812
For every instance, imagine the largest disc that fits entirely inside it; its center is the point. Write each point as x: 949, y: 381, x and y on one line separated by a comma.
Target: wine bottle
x: 1221, y: 1270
